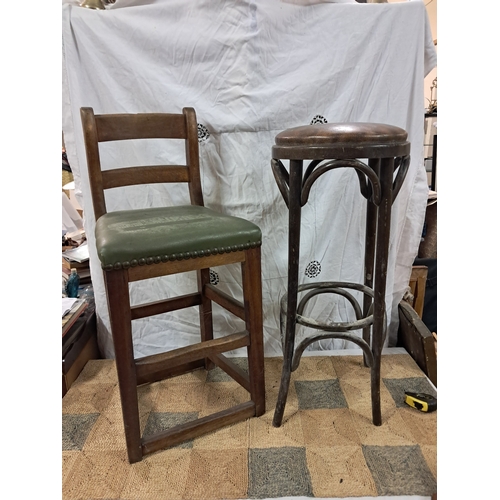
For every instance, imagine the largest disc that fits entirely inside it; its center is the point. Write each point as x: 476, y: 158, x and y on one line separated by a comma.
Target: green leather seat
x: 136, y: 237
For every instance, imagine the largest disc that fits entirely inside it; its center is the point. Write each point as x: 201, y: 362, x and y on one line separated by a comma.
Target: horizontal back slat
x: 116, y: 127
x: 130, y: 176
x: 120, y: 127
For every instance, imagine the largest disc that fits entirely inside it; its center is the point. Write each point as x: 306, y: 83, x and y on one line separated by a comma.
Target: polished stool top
x: 341, y: 140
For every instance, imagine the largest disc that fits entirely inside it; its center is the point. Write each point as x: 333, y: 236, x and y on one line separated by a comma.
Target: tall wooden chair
x: 141, y: 244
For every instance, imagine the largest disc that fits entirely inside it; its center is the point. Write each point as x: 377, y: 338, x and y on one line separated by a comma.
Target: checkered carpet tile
x: 327, y: 446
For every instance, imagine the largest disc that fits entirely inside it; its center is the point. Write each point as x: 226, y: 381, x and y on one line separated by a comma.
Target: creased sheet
x: 251, y: 69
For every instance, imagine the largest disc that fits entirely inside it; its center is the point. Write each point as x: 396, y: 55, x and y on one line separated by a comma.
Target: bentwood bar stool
x: 330, y: 146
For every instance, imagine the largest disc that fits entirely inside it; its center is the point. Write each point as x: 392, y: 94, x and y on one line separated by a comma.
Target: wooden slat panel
x: 226, y: 301
x: 114, y: 127
x: 167, y: 305
x: 157, y: 362
x: 198, y: 427
x: 152, y: 174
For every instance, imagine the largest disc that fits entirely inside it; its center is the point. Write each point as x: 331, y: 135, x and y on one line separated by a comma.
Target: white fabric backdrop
x: 252, y: 68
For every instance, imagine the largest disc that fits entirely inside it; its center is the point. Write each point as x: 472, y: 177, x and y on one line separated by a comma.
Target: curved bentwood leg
x: 294, y: 212
x: 370, y: 232
x: 382, y: 252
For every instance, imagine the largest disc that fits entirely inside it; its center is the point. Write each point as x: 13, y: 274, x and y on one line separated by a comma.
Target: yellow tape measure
x: 421, y: 401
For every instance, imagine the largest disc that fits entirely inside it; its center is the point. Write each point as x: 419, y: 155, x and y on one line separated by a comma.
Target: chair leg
x: 121, y: 329
x: 252, y: 293
x: 206, y: 320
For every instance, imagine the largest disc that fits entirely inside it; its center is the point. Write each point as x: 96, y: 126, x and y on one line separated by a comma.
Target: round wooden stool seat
x: 341, y: 140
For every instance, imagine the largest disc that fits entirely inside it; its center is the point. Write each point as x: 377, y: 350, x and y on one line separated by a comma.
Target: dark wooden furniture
x: 79, y: 345
x: 141, y: 244
x: 331, y: 146
x: 418, y: 340
x: 418, y: 279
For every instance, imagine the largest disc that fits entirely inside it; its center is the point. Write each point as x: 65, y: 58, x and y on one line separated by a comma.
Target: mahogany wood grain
x: 166, y: 305
x: 208, y: 352
x: 121, y: 127
x: 182, y: 266
x: 153, y: 174
x: 252, y: 292
x: 167, y: 372
x: 198, y: 427
x: 206, y: 319
x: 233, y: 370
x: 121, y: 328
x: 182, y: 355
x: 226, y: 301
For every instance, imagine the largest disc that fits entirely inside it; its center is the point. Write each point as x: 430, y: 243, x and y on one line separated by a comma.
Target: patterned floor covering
x: 327, y: 446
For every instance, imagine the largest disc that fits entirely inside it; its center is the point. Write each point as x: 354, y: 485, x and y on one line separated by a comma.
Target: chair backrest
x: 122, y: 127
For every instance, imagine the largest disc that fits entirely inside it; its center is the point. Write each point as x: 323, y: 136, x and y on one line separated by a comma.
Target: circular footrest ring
x: 338, y: 330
